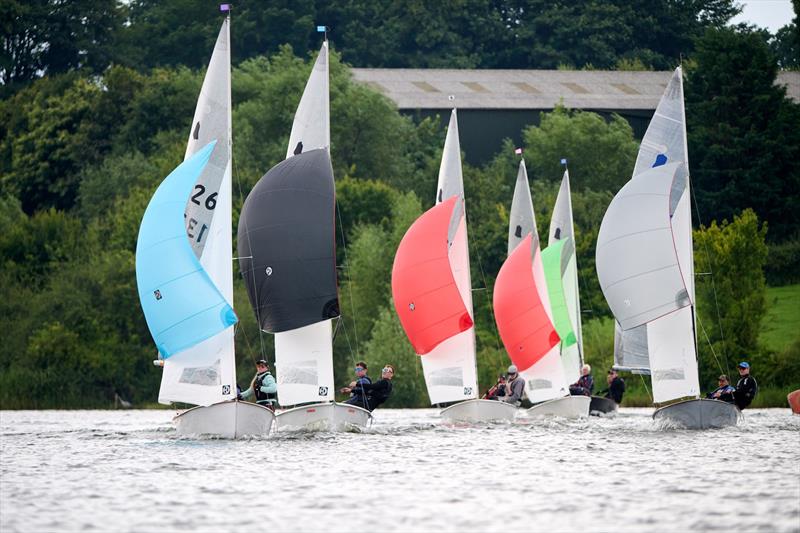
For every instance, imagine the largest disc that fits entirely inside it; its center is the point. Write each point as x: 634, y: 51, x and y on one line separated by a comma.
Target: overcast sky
x: 770, y: 14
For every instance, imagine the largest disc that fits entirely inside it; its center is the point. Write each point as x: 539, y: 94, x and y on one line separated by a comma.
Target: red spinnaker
x: 526, y: 330
x: 426, y: 297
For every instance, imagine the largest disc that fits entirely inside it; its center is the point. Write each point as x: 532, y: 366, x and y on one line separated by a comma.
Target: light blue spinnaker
x: 181, y: 304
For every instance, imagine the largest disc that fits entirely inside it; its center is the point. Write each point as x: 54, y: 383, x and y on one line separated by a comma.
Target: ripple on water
x: 129, y: 471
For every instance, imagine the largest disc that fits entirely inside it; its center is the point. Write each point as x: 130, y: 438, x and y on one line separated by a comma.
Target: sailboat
x: 524, y: 316
x: 645, y: 265
x: 432, y: 293
x: 184, y: 271
x: 288, y: 262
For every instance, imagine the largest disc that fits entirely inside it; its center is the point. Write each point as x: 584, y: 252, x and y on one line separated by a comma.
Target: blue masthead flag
x: 563, y: 161
x: 322, y: 29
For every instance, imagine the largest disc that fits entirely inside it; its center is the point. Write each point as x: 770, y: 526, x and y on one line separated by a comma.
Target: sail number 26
x: 210, y: 203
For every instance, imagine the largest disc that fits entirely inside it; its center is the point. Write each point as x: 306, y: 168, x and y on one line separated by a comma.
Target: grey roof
x: 527, y: 89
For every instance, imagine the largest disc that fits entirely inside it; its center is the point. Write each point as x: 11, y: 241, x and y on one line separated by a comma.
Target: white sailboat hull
x: 228, y: 420
x: 567, y: 407
x: 698, y: 414
x: 600, y: 406
x: 479, y: 411
x: 324, y: 417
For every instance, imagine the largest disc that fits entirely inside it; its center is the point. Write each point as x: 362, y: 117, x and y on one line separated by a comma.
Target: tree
x: 44, y: 37
x: 183, y: 32
x: 730, y: 302
x: 744, y: 143
x: 601, y: 153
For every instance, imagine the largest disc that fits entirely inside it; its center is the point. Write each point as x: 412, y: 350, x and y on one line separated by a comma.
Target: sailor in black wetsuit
x: 377, y: 392
x: 746, y: 388
x: 616, y: 387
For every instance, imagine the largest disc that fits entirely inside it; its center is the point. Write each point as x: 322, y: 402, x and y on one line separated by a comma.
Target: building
x: 498, y: 104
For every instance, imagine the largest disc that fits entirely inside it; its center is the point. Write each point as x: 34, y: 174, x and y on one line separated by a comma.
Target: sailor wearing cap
x: 746, y: 388
x: 263, y: 387
x: 515, y: 387
x: 724, y: 392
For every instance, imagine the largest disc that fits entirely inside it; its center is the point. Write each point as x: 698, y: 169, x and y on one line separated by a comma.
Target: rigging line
x: 240, y: 327
x: 710, y: 273
x: 488, y: 295
x: 644, y: 382
x: 235, y: 170
x: 713, y: 352
x: 352, y: 355
x: 349, y: 279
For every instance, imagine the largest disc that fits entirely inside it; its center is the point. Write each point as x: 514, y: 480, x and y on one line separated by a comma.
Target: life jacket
x: 358, y: 391
x: 263, y: 397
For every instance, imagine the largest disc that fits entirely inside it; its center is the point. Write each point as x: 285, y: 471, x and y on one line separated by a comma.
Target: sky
x: 770, y: 14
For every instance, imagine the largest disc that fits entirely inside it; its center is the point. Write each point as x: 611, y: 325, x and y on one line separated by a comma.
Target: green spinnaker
x: 551, y: 261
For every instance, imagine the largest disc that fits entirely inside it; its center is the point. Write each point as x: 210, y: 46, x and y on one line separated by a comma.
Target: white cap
x: 512, y: 369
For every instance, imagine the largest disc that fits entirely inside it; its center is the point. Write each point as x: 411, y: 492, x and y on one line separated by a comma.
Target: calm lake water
x: 128, y: 471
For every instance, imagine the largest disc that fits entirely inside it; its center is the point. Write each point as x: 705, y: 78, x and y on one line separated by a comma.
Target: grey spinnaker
x: 286, y: 242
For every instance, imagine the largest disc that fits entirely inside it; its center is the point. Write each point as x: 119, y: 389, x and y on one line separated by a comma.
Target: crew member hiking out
x: 357, y: 396
x: 746, y: 388
x: 378, y: 392
x: 616, y: 387
x: 263, y: 387
x: 515, y: 387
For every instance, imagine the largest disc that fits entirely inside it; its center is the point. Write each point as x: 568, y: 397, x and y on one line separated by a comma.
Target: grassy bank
x: 782, y: 322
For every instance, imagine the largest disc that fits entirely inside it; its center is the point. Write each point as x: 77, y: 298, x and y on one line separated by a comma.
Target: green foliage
x: 389, y: 345
x: 743, y: 136
x: 781, y: 325
x: 601, y: 153
x: 730, y: 302
x: 366, y: 288
x: 51, y: 37
x: 80, y: 158
x: 783, y: 262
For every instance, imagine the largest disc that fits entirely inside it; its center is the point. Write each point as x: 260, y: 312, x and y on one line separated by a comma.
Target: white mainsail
x: 664, y: 141
x: 644, y: 257
x: 561, y: 228
x: 304, y: 356
x: 450, y: 369
x: 206, y: 373
x: 544, y: 380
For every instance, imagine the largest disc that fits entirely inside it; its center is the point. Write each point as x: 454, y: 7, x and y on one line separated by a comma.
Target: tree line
x: 81, y: 153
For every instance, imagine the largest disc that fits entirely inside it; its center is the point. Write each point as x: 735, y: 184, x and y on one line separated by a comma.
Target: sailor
x: 263, y: 387
x: 498, y: 390
x: 357, y: 396
x: 515, y: 387
x: 724, y: 392
x: 616, y: 387
x: 746, y: 388
x: 378, y: 392
x: 585, y: 383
